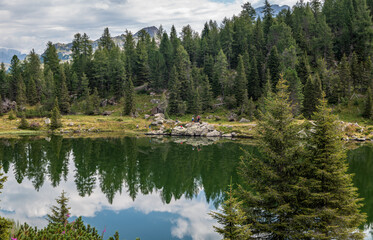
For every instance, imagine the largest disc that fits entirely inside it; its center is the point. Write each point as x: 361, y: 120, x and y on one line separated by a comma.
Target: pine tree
x: 274, y: 65
x: 295, y: 89
x: 32, y: 95
x: 231, y: 218
x: 240, y: 83
x: 270, y: 188
x: 220, y: 75
x: 56, y: 116
x: 345, y: 77
x: 368, y: 109
x: 84, y: 87
x: 5, y: 224
x: 331, y: 204
x: 312, y: 95
x: 106, y: 41
x: 51, y: 60
x: 174, y: 97
x: 61, y: 212
x: 63, y: 96
x: 21, y: 92
x: 207, y: 98
x: 24, y: 123
x: 129, y: 98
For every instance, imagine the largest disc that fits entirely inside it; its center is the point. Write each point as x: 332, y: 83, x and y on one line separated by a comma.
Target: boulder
x: 107, y: 113
x: 213, y: 134
x: 227, y: 135
x: 244, y: 120
x: 147, y: 116
x: 7, y: 105
x: 178, y: 131
x: 157, y: 115
x: 47, y: 121
x: 70, y: 124
x: 232, y: 117
x: 103, y: 103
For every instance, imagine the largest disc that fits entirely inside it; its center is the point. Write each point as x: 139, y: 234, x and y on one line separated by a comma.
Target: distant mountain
x: 7, y: 54
x: 276, y: 9
x: 64, y: 49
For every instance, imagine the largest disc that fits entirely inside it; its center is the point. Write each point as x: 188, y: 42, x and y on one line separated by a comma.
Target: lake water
x: 141, y: 187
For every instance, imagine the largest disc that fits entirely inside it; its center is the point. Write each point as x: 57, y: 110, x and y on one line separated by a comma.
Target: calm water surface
x: 141, y: 187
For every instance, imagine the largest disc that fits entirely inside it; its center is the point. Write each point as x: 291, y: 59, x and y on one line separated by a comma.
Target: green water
x: 142, y: 187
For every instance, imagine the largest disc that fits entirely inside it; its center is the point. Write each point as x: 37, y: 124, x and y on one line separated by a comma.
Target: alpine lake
x: 150, y: 188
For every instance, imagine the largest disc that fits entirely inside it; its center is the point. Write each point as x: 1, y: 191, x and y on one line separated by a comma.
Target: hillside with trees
x: 316, y: 47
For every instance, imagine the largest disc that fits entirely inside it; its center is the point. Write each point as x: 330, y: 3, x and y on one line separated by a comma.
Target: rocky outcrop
x: 7, y: 105
x: 189, y: 129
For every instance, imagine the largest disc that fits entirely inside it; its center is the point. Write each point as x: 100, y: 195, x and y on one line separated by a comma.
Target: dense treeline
x: 317, y: 47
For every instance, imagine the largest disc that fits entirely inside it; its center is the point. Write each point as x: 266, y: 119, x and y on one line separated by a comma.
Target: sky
x: 28, y: 24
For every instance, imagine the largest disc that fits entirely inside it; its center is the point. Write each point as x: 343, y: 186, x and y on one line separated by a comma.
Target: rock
x: 70, y: 124
x: 155, y: 101
x: 7, y: 105
x: 244, y: 120
x: 361, y: 139
x: 213, y: 134
x: 147, y: 116
x: 178, y: 131
x: 47, y: 121
x: 111, y: 101
x: 234, y: 134
x: 103, y: 103
x: 77, y: 131
x: 107, y: 113
x: 227, y: 135
x: 217, y: 118
x: 159, y: 115
x: 232, y: 117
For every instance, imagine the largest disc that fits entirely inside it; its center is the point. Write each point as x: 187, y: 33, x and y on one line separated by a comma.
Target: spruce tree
x: 274, y: 65
x: 21, y: 92
x: 129, y: 98
x: 231, y: 218
x: 61, y: 212
x: 174, y: 96
x: 56, y: 116
x: 312, y: 95
x: 5, y: 224
x: 240, y: 82
x: 270, y: 188
x: 24, y: 123
x: 207, y: 97
x: 32, y: 95
x: 63, y: 97
x: 331, y: 204
x: 368, y: 109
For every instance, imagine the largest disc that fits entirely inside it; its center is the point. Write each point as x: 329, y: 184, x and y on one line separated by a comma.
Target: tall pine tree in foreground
x: 231, y: 218
x: 331, y: 205
x: 269, y: 191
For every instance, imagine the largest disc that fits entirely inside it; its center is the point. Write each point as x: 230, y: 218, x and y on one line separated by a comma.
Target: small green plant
x: 24, y: 123
x: 11, y: 115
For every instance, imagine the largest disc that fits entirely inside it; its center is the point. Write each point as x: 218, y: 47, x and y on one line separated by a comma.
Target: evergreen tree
x: 174, y: 97
x: 268, y: 17
x: 240, y: 83
x: 21, y: 92
x: 207, y: 97
x: 130, y: 53
x: 15, y: 77
x: 303, y: 69
x: 331, y: 204
x: 345, y: 77
x: 295, y: 90
x: 63, y: 96
x: 270, y: 189
x: 129, y: 98
x: 220, y: 72
x: 368, y: 109
x: 3, y: 81
x: 61, y: 212
x: 254, y: 90
x: 51, y: 60
x: 84, y: 87
x: 231, y: 218
x: 32, y: 94
x: 56, y: 116
x: 274, y: 65
x: 312, y: 95
x: 5, y: 224
x: 106, y: 41
x: 23, y: 124
x: 142, y: 64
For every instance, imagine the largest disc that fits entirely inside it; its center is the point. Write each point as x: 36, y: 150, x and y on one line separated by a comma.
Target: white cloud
x: 24, y: 204
x: 59, y: 20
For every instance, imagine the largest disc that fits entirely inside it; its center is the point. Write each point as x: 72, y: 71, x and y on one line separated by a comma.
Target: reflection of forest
x: 361, y: 164
x: 173, y: 169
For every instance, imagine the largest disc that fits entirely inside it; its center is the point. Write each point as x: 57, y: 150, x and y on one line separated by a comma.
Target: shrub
x: 11, y: 115
x: 24, y: 123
